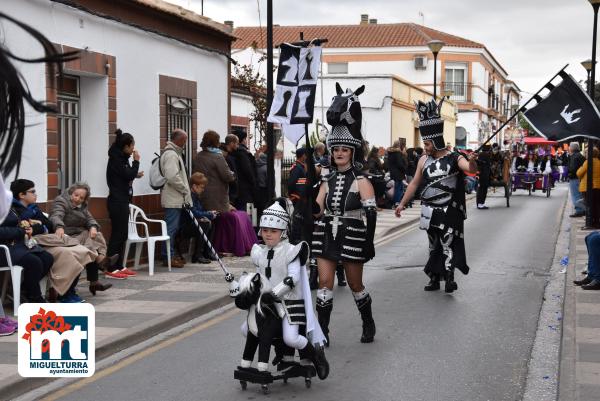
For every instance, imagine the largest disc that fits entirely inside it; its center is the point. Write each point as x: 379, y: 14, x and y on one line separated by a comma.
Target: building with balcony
x: 467, y: 72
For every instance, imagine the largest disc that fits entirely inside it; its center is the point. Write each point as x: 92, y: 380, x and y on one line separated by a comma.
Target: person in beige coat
x: 176, y: 191
x: 71, y: 217
x: 211, y: 162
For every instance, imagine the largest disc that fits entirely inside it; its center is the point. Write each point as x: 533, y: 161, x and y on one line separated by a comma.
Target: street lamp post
x: 590, y: 145
x: 435, y: 46
x: 587, y: 64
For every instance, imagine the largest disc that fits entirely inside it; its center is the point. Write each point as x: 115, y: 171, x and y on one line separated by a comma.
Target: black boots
x: 451, y: 285
x: 324, y: 314
x: 341, y: 277
x: 434, y: 284
x: 364, y: 307
x: 317, y: 357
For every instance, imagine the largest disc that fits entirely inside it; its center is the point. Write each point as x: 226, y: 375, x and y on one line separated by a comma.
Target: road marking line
x: 134, y: 358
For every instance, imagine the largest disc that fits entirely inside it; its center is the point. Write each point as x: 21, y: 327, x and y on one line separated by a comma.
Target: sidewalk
x: 138, y: 308
x: 580, y: 354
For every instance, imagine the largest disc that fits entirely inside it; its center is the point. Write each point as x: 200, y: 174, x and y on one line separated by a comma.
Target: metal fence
x: 286, y: 165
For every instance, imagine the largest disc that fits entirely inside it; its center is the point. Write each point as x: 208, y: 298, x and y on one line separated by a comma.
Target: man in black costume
x: 443, y: 208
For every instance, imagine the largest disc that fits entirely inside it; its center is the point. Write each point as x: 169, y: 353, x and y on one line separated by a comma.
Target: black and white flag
x: 565, y: 113
x: 294, y: 99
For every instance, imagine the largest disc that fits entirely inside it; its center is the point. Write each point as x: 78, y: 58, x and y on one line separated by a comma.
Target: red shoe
x: 127, y: 272
x: 116, y: 275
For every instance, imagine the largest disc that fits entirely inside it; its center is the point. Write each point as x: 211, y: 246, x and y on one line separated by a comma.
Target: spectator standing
x: 397, y: 165
x: 176, y: 191
x: 119, y: 177
x: 582, y: 175
x: 211, y: 162
x: 261, y: 180
x: 576, y: 160
x: 246, y: 174
x: 296, y: 187
x: 233, y: 232
x: 232, y: 143
x: 319, y: 152
x: 485, y: 170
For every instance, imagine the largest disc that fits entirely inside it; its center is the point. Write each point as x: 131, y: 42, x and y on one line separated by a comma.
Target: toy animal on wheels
x: 263, y: 329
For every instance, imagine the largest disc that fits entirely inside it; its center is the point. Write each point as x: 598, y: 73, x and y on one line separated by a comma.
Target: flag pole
x: 521, y: 109
x: 269, y: 134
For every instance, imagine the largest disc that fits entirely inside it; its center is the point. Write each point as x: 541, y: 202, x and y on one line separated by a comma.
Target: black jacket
x: 12, y: 235
x: 576, y: 160
x: 484, y: 165
x: 397, y: 164
x: 246, y: 170
x: 120, y: 175
x: 296, y: 184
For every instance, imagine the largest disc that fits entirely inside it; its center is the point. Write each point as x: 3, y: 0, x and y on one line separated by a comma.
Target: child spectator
x: 201, y: 253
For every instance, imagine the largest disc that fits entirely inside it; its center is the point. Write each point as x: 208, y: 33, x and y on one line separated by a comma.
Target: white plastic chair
x: 134, y: 238
x: 16, y: 274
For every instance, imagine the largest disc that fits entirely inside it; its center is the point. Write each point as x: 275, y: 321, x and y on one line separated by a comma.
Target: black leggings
x: 119, y: 219
x: 35, y: 267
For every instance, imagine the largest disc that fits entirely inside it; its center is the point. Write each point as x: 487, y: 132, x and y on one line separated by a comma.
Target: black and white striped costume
x: 341, y: 233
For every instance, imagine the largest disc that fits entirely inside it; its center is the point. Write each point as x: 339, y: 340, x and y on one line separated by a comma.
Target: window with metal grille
x: 179, y: 115
x: 69, y: 132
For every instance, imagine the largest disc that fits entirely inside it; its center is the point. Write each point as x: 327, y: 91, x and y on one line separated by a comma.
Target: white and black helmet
x: 277, y: 216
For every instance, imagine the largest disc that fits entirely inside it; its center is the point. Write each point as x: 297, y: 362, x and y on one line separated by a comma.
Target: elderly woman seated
x: 70, y: 216
x: 69, y: 256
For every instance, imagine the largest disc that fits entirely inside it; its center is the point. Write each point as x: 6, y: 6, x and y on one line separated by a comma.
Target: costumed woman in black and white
x: 442, y: 199
x: 345, y: 201
x: 284, y: 265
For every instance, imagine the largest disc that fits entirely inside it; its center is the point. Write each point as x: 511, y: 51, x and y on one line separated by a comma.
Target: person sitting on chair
x: 202, y: 252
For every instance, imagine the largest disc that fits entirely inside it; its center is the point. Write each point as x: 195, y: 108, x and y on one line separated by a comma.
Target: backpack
x: 156, y: 176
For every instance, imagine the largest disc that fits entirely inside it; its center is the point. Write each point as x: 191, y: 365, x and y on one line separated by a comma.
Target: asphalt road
x: 469, y: 346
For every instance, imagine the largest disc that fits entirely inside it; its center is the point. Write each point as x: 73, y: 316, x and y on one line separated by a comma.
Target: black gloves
x: 371, y: 213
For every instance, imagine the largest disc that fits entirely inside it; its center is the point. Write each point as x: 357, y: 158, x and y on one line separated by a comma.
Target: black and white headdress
x: 276, y: 216
x: 431, y: 125
x: 341, y: 136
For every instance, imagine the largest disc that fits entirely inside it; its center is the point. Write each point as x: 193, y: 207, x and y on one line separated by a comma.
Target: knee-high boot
x: 324, y: 308
x: 363, y: 303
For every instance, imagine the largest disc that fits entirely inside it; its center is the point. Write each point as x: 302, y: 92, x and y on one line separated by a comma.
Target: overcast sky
x: 532, y: 39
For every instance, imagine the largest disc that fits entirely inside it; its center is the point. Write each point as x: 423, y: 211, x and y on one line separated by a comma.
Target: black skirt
x: 347, y: 246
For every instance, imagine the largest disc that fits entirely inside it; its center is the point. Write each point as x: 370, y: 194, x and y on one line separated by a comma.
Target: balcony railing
x: 457, y: 91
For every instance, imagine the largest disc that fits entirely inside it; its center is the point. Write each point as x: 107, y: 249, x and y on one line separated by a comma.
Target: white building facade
x: 145, y: 67
x: 467, y: 73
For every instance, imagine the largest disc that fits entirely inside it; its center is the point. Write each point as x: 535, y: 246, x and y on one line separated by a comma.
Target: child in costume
x: 282, y: 267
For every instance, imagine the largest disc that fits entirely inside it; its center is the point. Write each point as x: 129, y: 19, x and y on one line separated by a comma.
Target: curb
x: 543, y: 368
x: 16, y: 385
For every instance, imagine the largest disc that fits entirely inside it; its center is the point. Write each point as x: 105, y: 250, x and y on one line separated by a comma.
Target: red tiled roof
x: 366, y: 35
